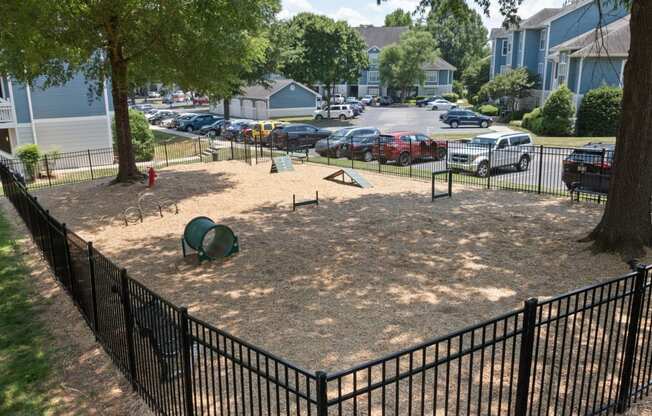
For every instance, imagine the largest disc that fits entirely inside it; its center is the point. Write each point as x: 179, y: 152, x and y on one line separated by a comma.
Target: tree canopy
x: 319, y: 50
x: 399, y: 17
x: 461, y: 38
x: 198, y: 45
x: 402, y: 64
x: 510, y: 86
x: 475, y: 76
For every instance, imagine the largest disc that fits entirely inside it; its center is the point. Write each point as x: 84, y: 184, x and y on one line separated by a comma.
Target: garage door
x: 248, y: 108
x: 235, y: 108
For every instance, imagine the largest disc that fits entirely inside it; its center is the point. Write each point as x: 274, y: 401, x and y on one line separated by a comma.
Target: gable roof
x: 611, y: 40
x: 261, y: 92
x: 380, y: 36
x: 439, y: 64
x: 498, y: 32
x: 537, y: 20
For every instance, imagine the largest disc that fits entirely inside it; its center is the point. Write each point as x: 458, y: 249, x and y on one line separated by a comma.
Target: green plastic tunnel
x: 212, y: 241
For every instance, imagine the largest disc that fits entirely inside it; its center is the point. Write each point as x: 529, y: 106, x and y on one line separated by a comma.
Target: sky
x: 364, y: 12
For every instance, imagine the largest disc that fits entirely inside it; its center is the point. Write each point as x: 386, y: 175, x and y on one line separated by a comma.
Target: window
x: 372, y: 76
x: 542, y: 40
x: 373, y: 59
x: 502, y: 144
x: 540, y: 68
x: 520, y: 140
x: 432, y: 77
x: 509, y: 46
x: 562, y: 70
x: 503, y: 69
x: 504, y: 48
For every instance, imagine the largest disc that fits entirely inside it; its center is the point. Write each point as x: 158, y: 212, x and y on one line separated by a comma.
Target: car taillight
x: 603, y: 165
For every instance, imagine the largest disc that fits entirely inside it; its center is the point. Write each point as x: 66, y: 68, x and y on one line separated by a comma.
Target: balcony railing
x: 6, y: 111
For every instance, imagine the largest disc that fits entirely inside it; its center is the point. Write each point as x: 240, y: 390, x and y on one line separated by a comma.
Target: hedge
x: 558, y: 112
x: 488, y: 110
x: 600, y: 111
x: 451, y: 96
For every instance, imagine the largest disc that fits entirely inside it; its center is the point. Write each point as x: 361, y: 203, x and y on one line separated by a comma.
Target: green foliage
x: 511, y: 86
x: 600, y: 111
x: 558, y: 112
x: 317, y: 49
x: 401, y: 64
x: 30, y: 155
x: 141, y: 135
x: 458, y: 88
x: 530, y: 117
x: 475, y: 76
x: 398, y: 17
x: 488, y: 110
x: 459, y: 33
x: 450, y: 96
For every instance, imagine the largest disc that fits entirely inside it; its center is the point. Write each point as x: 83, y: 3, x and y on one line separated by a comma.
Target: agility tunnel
x: 211, y: 241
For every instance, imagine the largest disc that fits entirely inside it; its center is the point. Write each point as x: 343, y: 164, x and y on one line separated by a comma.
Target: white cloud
x: 354, y: 17
x: 292, y: 7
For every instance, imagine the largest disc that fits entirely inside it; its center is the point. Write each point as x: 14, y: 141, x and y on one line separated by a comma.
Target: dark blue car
x: 457, y: 118
x: 197, y: 122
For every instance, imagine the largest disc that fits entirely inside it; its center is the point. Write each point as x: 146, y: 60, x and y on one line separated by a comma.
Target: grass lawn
x: 165, y: 137
x: 24, y: 351
x: 571, y: 141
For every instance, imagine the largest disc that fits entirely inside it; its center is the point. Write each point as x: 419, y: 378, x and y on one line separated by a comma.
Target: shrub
x: 451, y: 96
x: 528, y: 118
x: 458, y: 88
x: 30, y: 155
x: 558, y: 112
x: 141, y: 136
x: 419, y: 97
x: 517, y: 115
x: 600, y: 111
x: 488, y: 110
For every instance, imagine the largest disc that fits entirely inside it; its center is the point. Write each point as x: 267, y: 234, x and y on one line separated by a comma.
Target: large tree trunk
x: 625, y: 226
x: 127, y: 170
x: 227, y: 108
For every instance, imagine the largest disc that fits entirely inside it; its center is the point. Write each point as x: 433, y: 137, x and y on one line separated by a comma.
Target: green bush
x: 142, y: 137
x: 451, y: 96
x: 458, y: 88
x: 419, y: 97
x: 517, y: 115
x: 558, y: 112
x: 528, y: 118
x: 488, y: 110
x: 30, y: 155
x: 600, y: 111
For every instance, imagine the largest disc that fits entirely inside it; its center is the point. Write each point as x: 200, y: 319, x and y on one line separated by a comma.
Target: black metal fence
x: 585, y: 352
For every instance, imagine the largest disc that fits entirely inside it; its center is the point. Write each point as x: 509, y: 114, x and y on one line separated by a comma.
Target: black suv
x: 297, y: 136
x: 424, y: 102
x: 589, y: 167
x: 456, y: 118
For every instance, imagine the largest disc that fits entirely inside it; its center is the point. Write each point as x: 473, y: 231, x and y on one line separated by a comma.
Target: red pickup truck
x: 405, y: 147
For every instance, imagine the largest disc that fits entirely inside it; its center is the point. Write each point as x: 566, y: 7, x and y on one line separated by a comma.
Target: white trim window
x: 373, y: 76
x: 542, y: 39
x: 562, y: 68
x: 504, y: 47
x: 509, y: 46
x: 373, y: 59
x: 432, y: 77
x: 540, y: 68
x: 503, y: 69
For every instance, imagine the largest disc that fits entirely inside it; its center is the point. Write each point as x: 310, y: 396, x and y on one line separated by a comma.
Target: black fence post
x: 199, y: 143
x: 186, y: 354
x: 625, y: 383
x: 47, y: 170
x: 68, y: 264
x: 232, y: 151
x: 351, y: 152
x: 165, y: 148
x: 410, y: 156
x: 322, y: 394
x: 328, y: 150
x: 90, y: 163
x: 540, y: 181
x: 126, y: 305
x: 91, y: 273
x: 525, y: 356
x: 489, y: 170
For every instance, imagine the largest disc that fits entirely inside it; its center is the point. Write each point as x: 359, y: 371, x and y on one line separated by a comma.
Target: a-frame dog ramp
x: 354, y: 178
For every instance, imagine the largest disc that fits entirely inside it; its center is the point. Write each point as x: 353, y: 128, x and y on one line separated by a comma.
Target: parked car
x: 336, y: 144
x: 203, y: 100
x: 590, y: 166
x: 340, y: 111
x: 361, y: 147
x: 153, y: 94
x: 424, y: 102
x: 367, y: 100
x: 337, y: 99
x: 456, y: 118
x: 355, y: 101
x: 196, y: 122
x: 441, y: 104
x: 405, y: 147
x: 173, y: 122
x: 239, y: 130
x: 385, y: 100
x: 213, y: 129
x: 262, y: 129
x: 158, y: 116
x: 490, y: 151
x: 297, y: 136
x: 143, y: 107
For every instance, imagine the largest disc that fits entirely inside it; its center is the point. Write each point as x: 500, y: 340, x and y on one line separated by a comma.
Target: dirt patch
x: 368, y: 272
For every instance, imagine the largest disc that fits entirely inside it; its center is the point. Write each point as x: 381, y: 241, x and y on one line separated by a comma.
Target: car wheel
x: 338, y: 152
x: 484, y: 124
x: 382, y: 161
x: 483, y: 169
x: 189, y: 129
x: 211, y: 133
x: 319, y: 117
x: 523, y: 164
x: 455, y: 124
x: 404, y: 159
x: 441, y: 153
x: 342, y: 117
x: 435, y: 108
x: 368, y: 157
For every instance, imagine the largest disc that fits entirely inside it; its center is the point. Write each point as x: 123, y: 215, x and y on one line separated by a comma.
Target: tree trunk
x: 227, y: 108
x: 127, y: 170
x: 625, y: 226
x: 328, y: 101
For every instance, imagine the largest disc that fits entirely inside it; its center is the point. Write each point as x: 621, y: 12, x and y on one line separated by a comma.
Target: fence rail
x: 585, y: 352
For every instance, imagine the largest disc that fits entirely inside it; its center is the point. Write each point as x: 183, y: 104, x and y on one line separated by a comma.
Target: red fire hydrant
x: 151, y: 177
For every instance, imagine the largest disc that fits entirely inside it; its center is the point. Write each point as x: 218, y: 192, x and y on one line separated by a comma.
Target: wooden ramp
x: 354, y: 178
x: 281, y: 164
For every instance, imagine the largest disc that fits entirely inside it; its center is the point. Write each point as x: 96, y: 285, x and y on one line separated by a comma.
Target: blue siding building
x: 64, y: 118
x: 560, y: 44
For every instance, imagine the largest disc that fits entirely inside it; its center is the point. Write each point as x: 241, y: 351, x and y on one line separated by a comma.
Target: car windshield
x: 340, y: 133
x: 482, y: 142
x: 590, y: 156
